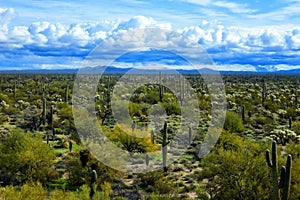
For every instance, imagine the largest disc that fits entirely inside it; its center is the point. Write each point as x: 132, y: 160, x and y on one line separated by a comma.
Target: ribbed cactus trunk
x: 287, y: 178
x: 164, y: 146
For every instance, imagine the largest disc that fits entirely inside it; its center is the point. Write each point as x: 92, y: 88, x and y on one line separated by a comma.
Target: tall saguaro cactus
x: 190, y: 135
x: 296, y: 98
x: 285, y: 175
x: 264, y: 93
x: 15, y: 90
x: 161, y: 92
x: 67, y: 94
x: 44, y: 113
x: 243, y: 113
x: 165, y: 143
x: 93, y: 182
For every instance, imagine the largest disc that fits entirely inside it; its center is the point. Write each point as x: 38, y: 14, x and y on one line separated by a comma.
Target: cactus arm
x: 282, y: 177
x: 268, y: 159
x: 287, y: 180
x: 274, y: 155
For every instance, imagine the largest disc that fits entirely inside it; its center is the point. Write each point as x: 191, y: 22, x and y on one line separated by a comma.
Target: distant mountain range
x: 115, y: 70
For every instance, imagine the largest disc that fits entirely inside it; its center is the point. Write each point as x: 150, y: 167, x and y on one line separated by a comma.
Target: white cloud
x: 234, y: 7
x: 198, y: 2
x: 224, y: 43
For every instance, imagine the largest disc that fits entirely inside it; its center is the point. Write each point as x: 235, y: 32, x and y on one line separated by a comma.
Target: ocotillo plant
x: 92, y: 185
x: 285, y: 175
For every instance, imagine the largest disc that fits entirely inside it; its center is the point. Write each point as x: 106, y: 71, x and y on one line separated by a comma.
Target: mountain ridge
x: 116, y: 70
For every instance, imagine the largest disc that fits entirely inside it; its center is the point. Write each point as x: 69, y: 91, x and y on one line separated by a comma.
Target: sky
x: 237, y: 35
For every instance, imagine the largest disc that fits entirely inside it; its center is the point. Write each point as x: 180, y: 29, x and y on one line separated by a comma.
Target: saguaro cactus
x: 264, y: 93
x: 165, y: 143
x: 70, y: 145
x: 243, y: 113
x: 152, y: 137
x: 147, y: 159
x: 190, y: 135
x: 47, y: 138
x: 285, y: 175
x: 296, y: 98
x: 44, y: 113
x: 15, y: 90
x: 161, y: 92
x: 67, y: 94
x: 93, y: 182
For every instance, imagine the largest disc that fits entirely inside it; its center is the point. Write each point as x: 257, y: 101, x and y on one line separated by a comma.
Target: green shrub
x: 28, y: 191
x: 238, y: 170
x: 233, y: 122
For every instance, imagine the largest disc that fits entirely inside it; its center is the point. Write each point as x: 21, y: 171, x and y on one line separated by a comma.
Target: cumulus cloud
x: 47, y: 44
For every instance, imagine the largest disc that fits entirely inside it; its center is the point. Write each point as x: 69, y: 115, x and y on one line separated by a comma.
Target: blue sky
x: 237, y: 35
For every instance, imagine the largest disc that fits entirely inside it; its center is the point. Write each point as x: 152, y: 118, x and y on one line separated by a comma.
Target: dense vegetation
x: 42, y: 156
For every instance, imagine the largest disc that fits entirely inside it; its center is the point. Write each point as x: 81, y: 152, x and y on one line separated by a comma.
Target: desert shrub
x: 233, y: 122
x: 296, y: 127
x: 80, y: 163
x: 237, y: 169
x: 28, y: 191
x: 25, y: 157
